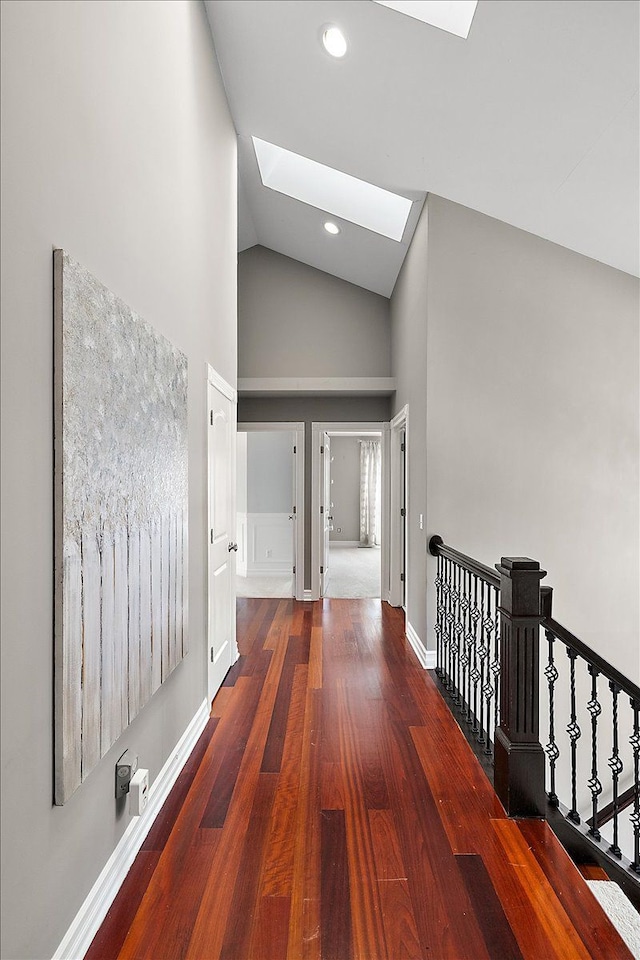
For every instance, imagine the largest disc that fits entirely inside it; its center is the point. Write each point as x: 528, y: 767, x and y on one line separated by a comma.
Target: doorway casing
x: 222, y: 649
x: 399, y: 507
x: 357, y: 429
x: 297, y: 428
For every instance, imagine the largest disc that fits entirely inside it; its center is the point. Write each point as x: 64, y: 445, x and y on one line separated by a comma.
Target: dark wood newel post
x: 519, y: 758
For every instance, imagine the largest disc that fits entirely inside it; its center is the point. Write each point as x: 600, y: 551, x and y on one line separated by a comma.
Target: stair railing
x: 468, y: 640
x: 487, y: 628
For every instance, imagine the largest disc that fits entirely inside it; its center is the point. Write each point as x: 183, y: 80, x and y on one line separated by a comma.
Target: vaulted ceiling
x: 533, y: 120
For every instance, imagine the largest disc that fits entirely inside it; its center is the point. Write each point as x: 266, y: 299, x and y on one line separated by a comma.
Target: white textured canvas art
x: 121, y: 518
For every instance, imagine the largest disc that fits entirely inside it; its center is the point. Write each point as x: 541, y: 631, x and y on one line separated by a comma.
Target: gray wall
x: 409, y: 366
x: 533, y: 416
x: 524, y: 357
x: 118, y: 146
x: 296, y: 321
x: 270, y: 471
x: 310, y: 409
x: 345, y: 488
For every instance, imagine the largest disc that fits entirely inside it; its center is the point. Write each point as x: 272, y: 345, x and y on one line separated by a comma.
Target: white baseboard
x: 86, y: 923
x: 424, y: 656
x: 343, y: 543
x: 308, y: 595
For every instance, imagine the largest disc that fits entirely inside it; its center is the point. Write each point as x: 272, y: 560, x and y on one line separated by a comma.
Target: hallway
x: 333, y: 809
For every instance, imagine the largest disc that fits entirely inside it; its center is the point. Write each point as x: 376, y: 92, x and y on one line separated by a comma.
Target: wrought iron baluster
x: 495, y: 666
x: 574, y: 735
x: 465, y: 604
x: 439, y: 613
x: 616, y: 766
x: 469, y: 643
x: 487, y: 688
x: 635, y: 816
x: 447, y: 621
x: 551, y: 749
x: 475, y: 673
x: 451, y: 621
x: 595, y: 709
x: 456, y: 635
x: 482, y: 656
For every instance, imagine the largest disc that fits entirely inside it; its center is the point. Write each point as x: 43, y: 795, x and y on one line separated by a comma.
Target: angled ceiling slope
x: 533, y: 120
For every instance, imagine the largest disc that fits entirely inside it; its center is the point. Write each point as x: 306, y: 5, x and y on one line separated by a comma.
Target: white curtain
x: 370, y: 492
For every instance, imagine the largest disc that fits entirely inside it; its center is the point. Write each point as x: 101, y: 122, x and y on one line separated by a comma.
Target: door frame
x: 354, y: 429
x: 398, y: 556
x: 297, y: 428
x: 217, y: 382
x: 324, y: 520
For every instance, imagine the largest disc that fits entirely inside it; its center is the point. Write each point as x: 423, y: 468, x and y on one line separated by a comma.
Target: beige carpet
x: 620, y: 911
x: 354, y: 572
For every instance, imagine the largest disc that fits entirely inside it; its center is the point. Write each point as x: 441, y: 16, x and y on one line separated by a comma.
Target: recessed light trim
x: 454, y: 16
x: 337, y: 193
x: 334, y: 41
x: 332, y: 228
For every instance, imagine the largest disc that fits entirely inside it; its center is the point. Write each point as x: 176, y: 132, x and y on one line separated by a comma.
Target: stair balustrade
x: 585, y: 780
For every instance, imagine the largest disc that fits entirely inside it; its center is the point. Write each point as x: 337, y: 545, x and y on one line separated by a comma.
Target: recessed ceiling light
x: 454, y: 16
x: 334, y: 41
x: 332, y: 228
x: 337, y: 193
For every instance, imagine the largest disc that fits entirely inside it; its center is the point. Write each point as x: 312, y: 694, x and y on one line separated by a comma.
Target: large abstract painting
x: 120, y: 518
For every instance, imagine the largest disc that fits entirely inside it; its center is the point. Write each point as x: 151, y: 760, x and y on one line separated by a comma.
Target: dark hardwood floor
x: 333, y: 809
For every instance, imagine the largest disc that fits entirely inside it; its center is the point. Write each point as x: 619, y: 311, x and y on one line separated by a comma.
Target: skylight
x: 331, y: 190
x: 454, y: 16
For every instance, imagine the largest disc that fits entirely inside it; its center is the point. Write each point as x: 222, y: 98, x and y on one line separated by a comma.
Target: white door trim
x: 221, y: 384
x: 398, y: 563
x: 355, y: 429
x: 217, y: 382
x: 296, y: 427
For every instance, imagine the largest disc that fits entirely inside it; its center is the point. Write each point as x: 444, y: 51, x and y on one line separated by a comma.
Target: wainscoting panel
x: 269, y: 543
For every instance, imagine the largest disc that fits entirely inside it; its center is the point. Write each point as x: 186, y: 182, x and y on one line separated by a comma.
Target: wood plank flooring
x: 332, y: 810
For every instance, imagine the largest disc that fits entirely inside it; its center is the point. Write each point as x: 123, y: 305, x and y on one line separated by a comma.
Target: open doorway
x: 269, y: 501
x: 355, y: 534
x: 349, y: 492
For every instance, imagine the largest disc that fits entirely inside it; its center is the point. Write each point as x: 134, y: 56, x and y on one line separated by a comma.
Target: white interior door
x: 222, y: 524
x: 326, y: 507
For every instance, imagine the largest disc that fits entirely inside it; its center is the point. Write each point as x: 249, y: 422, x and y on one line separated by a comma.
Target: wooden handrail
x: 602, y: 666
x: 438, y: 548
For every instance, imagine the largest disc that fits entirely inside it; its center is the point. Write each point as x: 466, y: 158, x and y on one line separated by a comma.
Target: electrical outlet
x: 139, y: 792
x: 126, y: 766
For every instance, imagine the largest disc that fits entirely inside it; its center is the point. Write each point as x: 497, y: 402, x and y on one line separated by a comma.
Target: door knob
x: 233, y: 546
